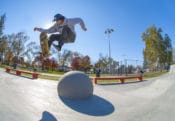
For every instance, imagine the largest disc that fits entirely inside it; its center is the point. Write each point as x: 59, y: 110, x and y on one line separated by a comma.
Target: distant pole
x: 108, y: 32
x: 126, y: 70
x: 121, y: 70
x: 173, y: 52
x: 136, y: 63
x: 124, y: 64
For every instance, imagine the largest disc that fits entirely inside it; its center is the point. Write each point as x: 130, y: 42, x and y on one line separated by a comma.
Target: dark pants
x: 67, y: 36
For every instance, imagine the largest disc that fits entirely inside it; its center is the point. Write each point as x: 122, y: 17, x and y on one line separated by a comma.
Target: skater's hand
x: 85, y: 29
x: 36, y: 29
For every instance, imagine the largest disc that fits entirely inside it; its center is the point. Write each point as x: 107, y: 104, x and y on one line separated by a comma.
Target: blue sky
x: 129, y: 19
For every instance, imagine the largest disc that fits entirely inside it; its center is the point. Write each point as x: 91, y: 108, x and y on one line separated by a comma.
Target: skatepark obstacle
x: 75, y: 85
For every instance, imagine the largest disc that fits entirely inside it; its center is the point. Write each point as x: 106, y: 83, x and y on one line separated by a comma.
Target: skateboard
x: 45, y: 50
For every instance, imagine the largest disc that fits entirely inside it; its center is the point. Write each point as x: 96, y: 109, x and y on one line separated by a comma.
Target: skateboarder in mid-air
x: 65, y: 27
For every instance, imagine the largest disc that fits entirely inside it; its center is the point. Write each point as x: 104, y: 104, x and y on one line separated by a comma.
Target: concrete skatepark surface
x: 23, y: 99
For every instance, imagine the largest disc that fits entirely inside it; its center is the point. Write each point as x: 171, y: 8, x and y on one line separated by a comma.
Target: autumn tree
x: 82, y: 63
x: 85, y: 63
x: 76, y: 63
x: 17, y: 46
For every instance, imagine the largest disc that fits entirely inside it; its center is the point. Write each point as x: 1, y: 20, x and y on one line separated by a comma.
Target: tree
x: 81, y: 63
x: 17, y: 45
x: 2, y: 20
x: 31, y: 50
x: 66, y: 57
x: 3, y: 42
x: 76, y: 63
x: 85, y: 63
x: 114, y: 65
x: 168, y: 49
x: 131, y: 69
x: 3, y: 47
x: 103, y: 64
x: 158, y: 49
x: 13, y: 47
x: 152, y: 38
x: 173, y: 56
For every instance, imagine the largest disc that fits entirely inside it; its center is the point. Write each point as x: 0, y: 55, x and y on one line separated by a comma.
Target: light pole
x: 124, y: 63
x: 108, y: 32
x: 126, y: 67
x: 173, y: 53
x: 136, y: 62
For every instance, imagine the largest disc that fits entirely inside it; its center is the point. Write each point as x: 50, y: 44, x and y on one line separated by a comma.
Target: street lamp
x: 173, y: 53
x: 108, y: 32
x: 126, y: 67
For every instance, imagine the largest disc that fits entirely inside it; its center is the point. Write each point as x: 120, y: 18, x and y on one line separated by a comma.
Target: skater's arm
x: 79, y: 21
x: 50, y: 30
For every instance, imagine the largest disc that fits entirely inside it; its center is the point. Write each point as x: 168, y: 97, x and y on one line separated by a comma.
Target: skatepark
x: 87, y: 60
x: 24, y: 99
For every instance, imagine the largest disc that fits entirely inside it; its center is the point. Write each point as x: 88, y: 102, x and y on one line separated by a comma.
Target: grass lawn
x: 145, y: 76
x: 153, y: 74
x: 3, y: 66
x: 49, y: 77
x: 56, y: 72
x: 102, y: 75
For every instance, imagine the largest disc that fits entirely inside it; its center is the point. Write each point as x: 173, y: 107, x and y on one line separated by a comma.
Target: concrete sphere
x: 75, y: 85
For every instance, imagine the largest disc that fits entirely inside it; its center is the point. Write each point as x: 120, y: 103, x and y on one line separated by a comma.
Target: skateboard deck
x: 45, y: 51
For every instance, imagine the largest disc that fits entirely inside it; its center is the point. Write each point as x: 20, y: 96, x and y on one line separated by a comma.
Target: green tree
x: 3, y: 41
x: 131, y: 69
x: 65, y: 58
x: 104, y: 62
x: 168, y: 49
x: 3, y: 46
x: 158, y: 49
x: 2, y: 20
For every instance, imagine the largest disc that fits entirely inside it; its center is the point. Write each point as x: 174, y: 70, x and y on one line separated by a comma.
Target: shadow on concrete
x: 94, y: 106
x: 46, y: 116
x: 121, y: 83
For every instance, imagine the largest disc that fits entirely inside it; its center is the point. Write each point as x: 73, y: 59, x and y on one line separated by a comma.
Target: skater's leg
x: 54, y: 37
x: 67, y: 35
x: 59, y: 46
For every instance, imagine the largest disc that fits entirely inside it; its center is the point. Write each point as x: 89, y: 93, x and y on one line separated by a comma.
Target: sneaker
x: 57, y: 47
x: 60, y: 44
